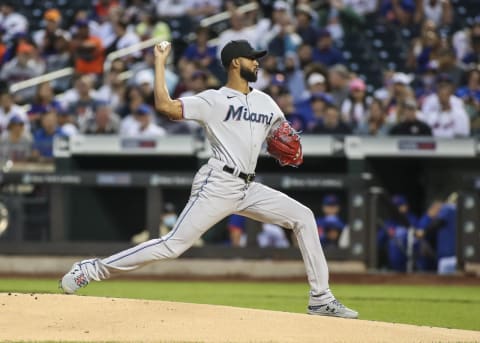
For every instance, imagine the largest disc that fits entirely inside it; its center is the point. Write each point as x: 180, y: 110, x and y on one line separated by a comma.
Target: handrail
x: 40, y: 79
x: 130, y: 50
x: 205, y: 22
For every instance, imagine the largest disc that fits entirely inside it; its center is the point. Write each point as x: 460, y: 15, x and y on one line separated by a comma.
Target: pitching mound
x: 55, y: 317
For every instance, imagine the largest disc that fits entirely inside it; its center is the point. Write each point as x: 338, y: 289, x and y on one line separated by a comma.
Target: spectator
x: 444, y: 112
x: 146, y: 66
x: 426, y: 83
x: 80, y: 100
x: 329, y: 225
x: 269, y: 236
x: 392, y: 242
x: 361, y: 7
x: 45, y: 38
x: 236, y: 229
x: 103, y: 7
x: 400, y: 92
x: 123, y: 39
x: 267, y: 29
x: 438, y: 11
x: 149, y: 26
x: 144, y: 80
x: 376, y: 123
x: 399, y: 12
x: 385, y: 92
x: 9, y: 109
x: 324, y: 51
x: 410, y: 125
x: 305, y: 55
x: 104, y: 122
x: 393, y: 234
x: 332, y: 123
x: 202, y: 52
x: 339, y: 80
x: 236, y: 32
x: 355, y: 108
x: 43, y: 137
x: 44, y: 98
x: 59, y: 58
x: 427, y: 39
x: 403, y: 207
x: 268, y: 72
x: 197, y: 9
x: 294, y: 77
x: 134, y: 98
x: 23, y: 67
x: 425, y: 249
x: 284, y: 39
x: 472, y: 53
x: 103, y: 25
x: 135, y: 11
x: 285, y: 101
x: 3, y: 46
x: 441, y: 223
x: 330, y: 19
x: 317, y: 84
x: 16, y: 142
x: 88, y: 50
x: 272, y: 236
x: 347, y: 16
x: 113, y: 88
x: 13, y: 22
x: 144, y: 125
x: 306, y: 27
x: 470, y: 94
x: 319, y: 103
x: 198, y: 83
x: 168, y: 218
x: 66, y: 122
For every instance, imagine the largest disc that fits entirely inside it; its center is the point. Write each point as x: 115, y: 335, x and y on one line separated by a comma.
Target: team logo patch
x: 241, y: 113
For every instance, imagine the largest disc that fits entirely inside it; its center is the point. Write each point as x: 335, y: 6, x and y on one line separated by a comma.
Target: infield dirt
x: 55, y: 317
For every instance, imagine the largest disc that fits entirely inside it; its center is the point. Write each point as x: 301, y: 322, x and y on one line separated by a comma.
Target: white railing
x: 216, y: 18
x: 40, y: 79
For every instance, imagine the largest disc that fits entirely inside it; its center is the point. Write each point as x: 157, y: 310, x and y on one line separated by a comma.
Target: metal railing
x: 41, y: 79
x: 216, y: 18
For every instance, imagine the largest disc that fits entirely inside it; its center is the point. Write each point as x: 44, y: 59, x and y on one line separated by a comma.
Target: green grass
x: 443, y: 306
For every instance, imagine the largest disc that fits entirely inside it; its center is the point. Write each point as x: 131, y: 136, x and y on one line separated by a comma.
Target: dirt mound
x: 55, y: 317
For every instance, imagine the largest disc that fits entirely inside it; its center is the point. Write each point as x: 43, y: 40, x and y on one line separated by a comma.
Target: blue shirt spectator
x: 392, y: 238
x: 43, y: 137
x: 325, y: 52
x: 330, y: 226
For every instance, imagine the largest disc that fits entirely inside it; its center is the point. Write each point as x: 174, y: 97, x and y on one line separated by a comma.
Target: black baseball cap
x: 239, y: 48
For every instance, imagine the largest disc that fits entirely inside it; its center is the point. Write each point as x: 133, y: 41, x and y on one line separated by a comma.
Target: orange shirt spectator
x: 88, y: 51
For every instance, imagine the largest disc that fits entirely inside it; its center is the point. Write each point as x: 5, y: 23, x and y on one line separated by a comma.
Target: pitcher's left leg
x: 267, y: 205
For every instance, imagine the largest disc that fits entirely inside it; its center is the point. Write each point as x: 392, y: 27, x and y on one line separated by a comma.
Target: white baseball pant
x: 216, y: 194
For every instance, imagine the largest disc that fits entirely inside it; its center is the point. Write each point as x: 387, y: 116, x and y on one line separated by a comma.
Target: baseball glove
x: 283, y: 143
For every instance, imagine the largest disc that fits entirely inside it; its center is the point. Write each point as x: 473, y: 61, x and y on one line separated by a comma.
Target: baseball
x: 163, y: 45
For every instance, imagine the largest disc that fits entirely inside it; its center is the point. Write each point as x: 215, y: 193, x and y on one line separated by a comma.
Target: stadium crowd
x: 430, y: 85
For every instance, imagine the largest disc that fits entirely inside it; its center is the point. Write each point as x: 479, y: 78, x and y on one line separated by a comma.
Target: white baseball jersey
x: 236, y: 124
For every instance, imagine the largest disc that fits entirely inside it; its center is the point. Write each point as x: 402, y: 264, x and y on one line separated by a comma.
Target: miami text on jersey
x: 242, y: 113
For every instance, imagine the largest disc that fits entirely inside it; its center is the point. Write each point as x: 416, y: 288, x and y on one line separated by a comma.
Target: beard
x: 247, y: 74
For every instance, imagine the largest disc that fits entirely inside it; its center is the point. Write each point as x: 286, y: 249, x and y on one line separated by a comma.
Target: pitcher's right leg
x: 204, y: 209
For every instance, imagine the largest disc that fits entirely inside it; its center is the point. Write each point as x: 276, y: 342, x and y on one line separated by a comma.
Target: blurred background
x: 386, y: 94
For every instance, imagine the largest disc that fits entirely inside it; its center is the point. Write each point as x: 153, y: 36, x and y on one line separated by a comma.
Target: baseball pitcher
x: 237, y: 120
